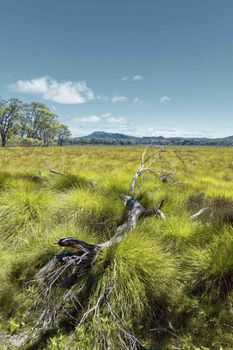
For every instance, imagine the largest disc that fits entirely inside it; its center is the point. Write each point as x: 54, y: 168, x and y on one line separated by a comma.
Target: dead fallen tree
x: 60, y: 280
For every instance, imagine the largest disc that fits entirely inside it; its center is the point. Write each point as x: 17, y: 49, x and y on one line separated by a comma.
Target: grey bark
x: 198, y: 214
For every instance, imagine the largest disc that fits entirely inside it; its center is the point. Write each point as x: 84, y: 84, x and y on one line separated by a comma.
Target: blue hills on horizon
x: 102, y: 137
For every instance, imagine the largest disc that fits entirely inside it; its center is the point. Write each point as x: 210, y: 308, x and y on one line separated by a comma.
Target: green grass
x: 211, y: 267
x: 21, y: 208
x: 171, y: 281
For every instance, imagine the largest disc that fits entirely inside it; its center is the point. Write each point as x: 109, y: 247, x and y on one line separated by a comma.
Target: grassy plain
x: 174, y: 278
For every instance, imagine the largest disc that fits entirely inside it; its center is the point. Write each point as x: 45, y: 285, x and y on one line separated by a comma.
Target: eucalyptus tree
x: 40, y: 123
x: 63, y: 134
x: 30, y: 121
x: 10, y: 113
x: 33, y: 119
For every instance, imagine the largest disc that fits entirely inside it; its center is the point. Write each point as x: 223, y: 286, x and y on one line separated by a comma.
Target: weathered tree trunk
x: 3, y: 140
x: 134, y: 215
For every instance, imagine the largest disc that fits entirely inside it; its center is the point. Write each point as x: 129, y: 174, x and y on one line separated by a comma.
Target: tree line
x: 32, y: 124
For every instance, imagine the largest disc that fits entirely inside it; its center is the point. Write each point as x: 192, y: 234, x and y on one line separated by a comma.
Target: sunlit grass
x: 21, y: 208
x: 211, y: 267
x: 85, y: 208
x: 169, y: 276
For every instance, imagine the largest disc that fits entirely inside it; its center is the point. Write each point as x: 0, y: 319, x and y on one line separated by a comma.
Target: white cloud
x: 164, y: 99
x: 116, y: 99
x: 116, y: 120
x: 102, y: 98
x: 103, y: 119
x: 137, y: 102
x: 113, y: 99
x: 93, y: 119
x: 137, y: 77
x: 106, y: 115
x: 67, y: 92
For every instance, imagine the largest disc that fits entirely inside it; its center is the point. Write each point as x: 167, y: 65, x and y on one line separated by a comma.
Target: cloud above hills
x: 106, y: 118
x: 67, y: 92
x: 63, y: 92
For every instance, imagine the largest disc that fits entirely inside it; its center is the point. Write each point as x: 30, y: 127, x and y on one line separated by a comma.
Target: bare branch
x: 198, y: 214
x: 146, y: 165
x: 57, y: 172
x: 152, y: 156
x: 144, y: 153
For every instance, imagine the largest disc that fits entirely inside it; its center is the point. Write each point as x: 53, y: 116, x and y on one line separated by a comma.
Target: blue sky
x: 152, y: 67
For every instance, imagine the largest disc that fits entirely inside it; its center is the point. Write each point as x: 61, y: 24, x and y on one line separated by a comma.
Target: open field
x: 171, y: 281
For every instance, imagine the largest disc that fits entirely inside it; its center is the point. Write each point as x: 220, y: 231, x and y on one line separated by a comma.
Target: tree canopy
x: 33, y: 123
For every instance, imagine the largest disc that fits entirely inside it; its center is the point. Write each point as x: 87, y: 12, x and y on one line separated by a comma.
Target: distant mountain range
x: 102, y: 137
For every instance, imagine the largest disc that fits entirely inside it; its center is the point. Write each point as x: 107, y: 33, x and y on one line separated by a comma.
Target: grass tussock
x: 21, y: 208
x: 210, y: 269
x: 69, y: 181
x: 95, y: 211
x: 3, y: 179
x: 137, y: 277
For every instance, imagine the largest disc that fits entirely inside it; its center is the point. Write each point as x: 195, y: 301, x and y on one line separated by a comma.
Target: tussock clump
x: 22, y: 208
x: 143, y: 257
x: 133, y: 277
x: 95, y: 211
x: 196, y: 201
x: 210, y: 269
x: 69, y: 181
x: 34, y: 178
x: 221, y: 208
x: 3, y: 179
x: 114, y: 302
x: 116, y: 182
x: 177, y: 232
x: 222, y: 211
